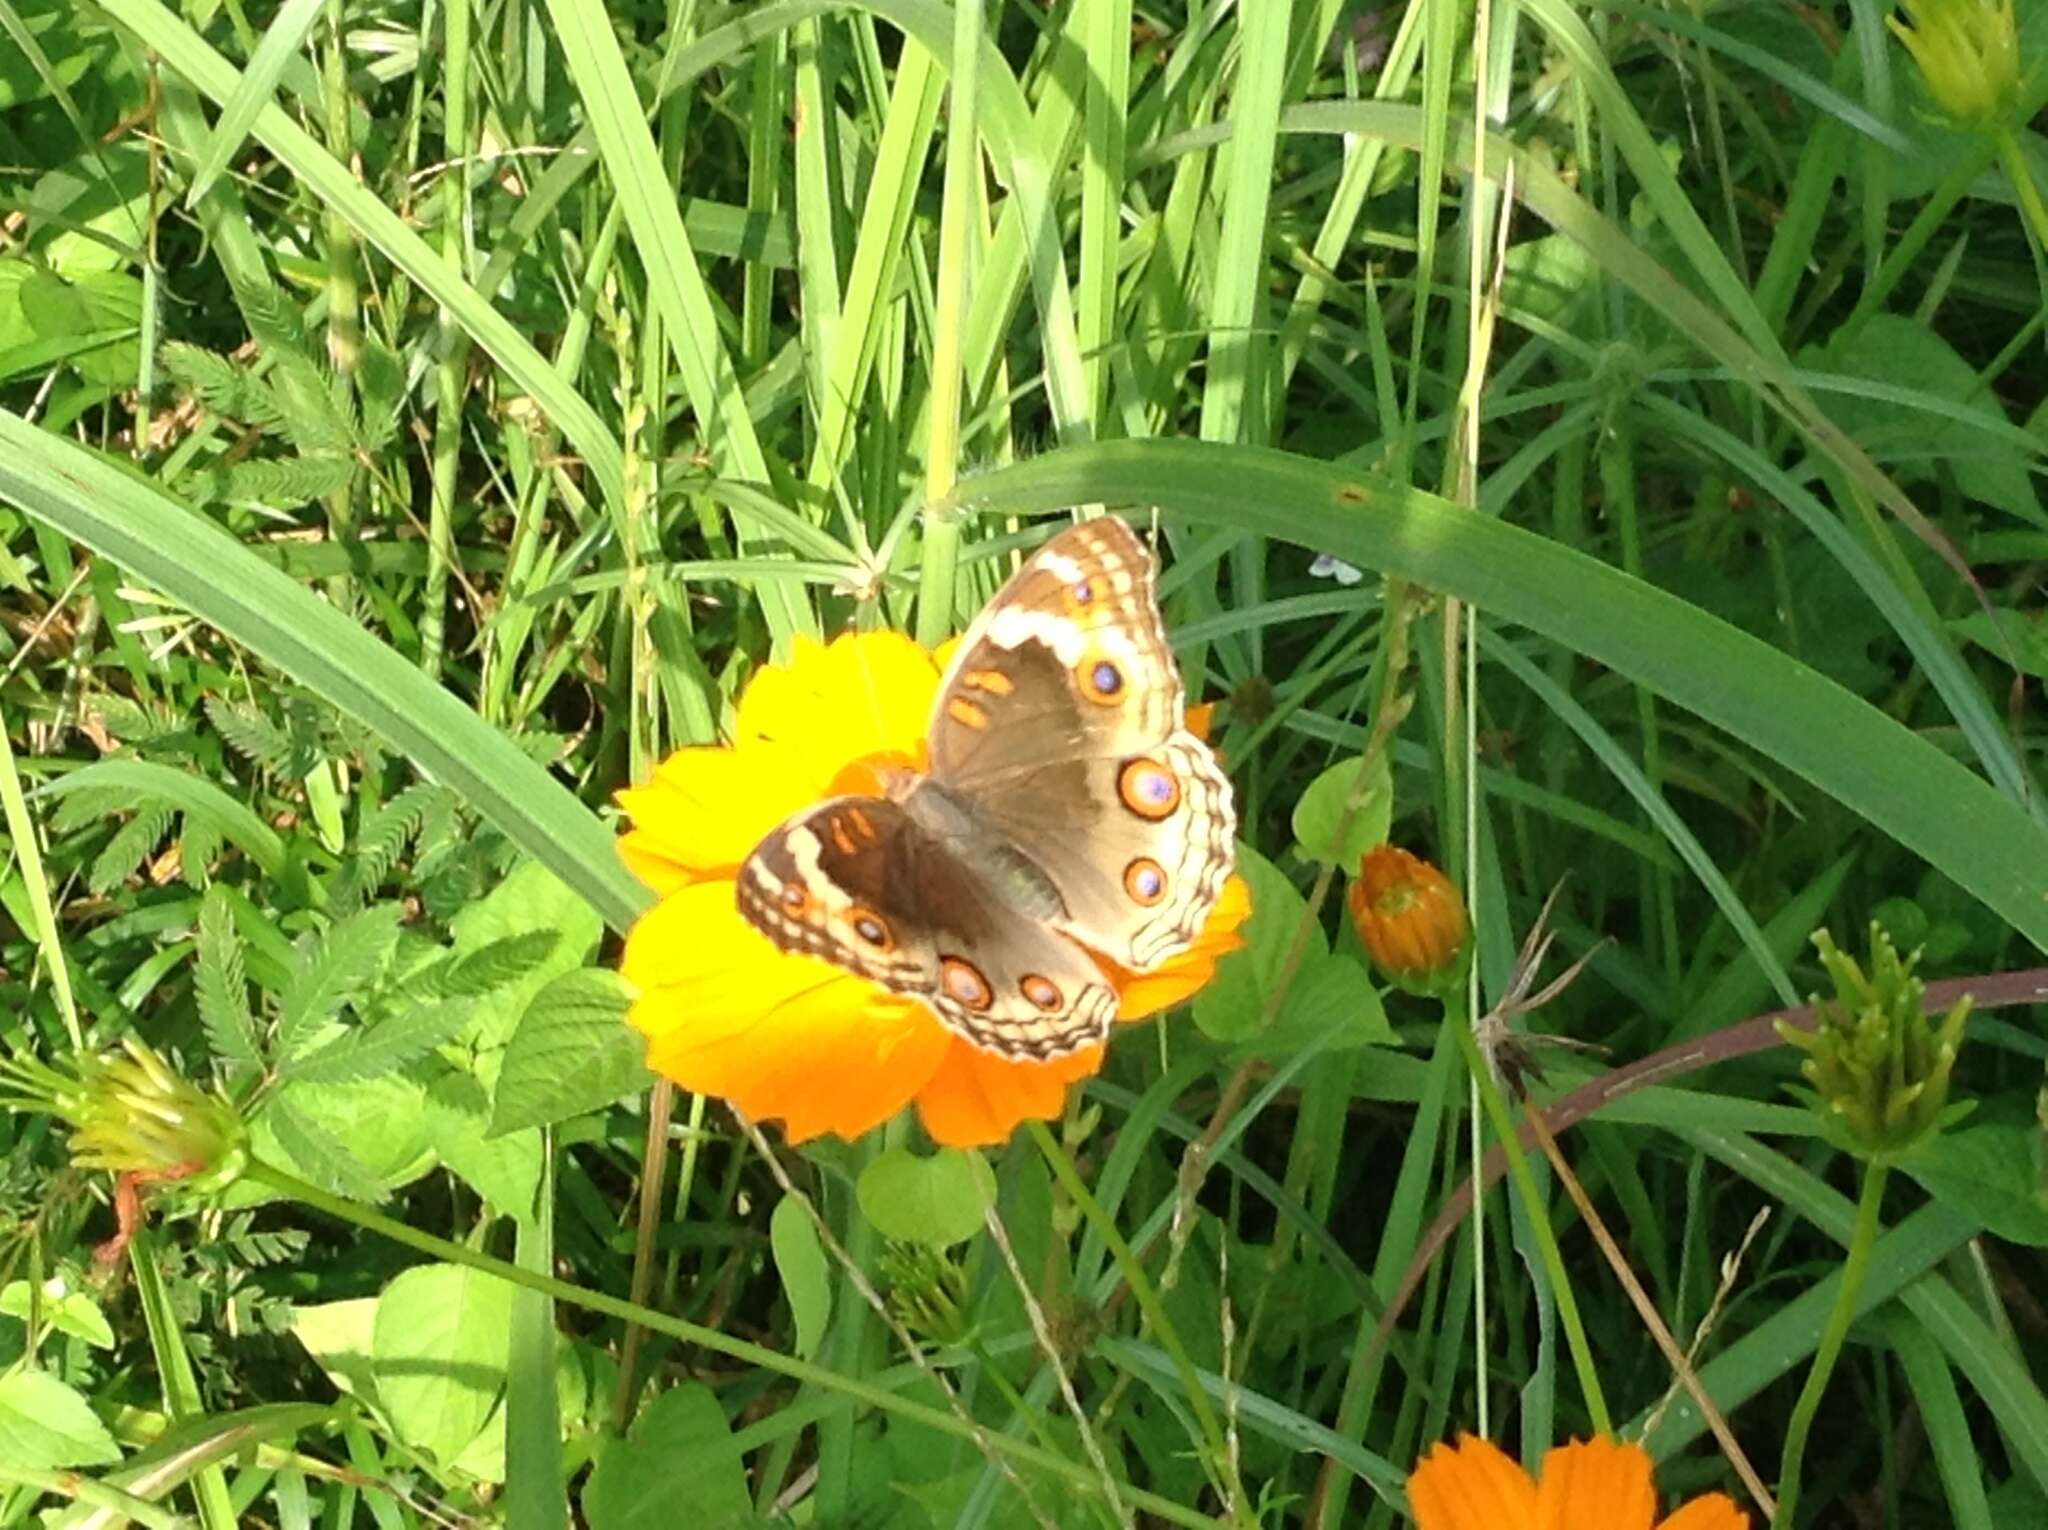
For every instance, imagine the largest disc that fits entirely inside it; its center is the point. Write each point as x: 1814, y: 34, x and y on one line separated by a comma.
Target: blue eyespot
x: 1108, y: 679
x: 1084, y: 591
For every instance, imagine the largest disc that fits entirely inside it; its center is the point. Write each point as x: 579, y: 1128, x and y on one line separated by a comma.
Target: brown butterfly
x: 1066, y: 807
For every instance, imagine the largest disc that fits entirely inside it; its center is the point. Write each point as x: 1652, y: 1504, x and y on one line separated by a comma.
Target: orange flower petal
x: 976, y: 1097
x: 1472, y: 1486
x: 1200, y: 719
x: 864, y: 693
x: 1713, y: 1512
x: 1596, y: 1482
x: 781, y: 1036
x: 705, y: 809
x: 1143, y: 994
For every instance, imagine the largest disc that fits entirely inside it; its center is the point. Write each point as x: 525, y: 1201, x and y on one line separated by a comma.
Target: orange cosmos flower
x: 1597, y: 1484
x: 1409, y: 917
x: 788, y: 1036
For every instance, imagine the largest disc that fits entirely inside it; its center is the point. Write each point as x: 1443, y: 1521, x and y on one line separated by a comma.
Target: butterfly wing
x: 862, y: 883
x: 1059, y: 725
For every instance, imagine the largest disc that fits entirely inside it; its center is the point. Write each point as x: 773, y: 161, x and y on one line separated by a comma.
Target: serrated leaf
x: 505, y: 1170
x: 223, y: 985
x: 384, y: 1045
x: 938, y: 1200
x: 45, y: 1424
x: 319, y: 1153
x: 472, y: 974
x: 571, y: 1052
x: 1345, y: 812
x: 337, y: 968
x: 232, y: 391
x: 130, y: 846
x: 806, y: 1278
x: 1988, y: 1172
x: 251, y: 735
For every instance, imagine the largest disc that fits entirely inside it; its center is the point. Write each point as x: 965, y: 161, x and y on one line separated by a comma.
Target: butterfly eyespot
x: 1083, y: 591
x: 1042, y: 991
x: 1145, y: 881
x: 964, y: 984
x: 1101, y: 680
x: 1148, y: 789
x: 795, y: 900
x: 871, y: 928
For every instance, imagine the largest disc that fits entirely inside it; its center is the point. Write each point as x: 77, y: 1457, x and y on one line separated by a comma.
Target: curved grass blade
x: 135, y: 526
x: 1887, y: 773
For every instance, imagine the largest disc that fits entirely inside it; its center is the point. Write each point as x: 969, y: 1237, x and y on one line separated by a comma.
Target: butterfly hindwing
x: 862, y: 883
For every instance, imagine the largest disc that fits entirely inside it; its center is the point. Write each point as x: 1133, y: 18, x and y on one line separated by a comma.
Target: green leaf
x: 439, y: 1349
x: 532, y: 900
x: 223, y: 984
x: 938, y: 1200
x: 336, y: 968
x: 340, y: 1337
x: 1233, y: 1005
x: 45, y: 1424
x: 1331, y: 825
x: 806, y: 1279
x: 505, y: 1169
x: 314, y: 1149
x: 1990, y: 1173
x: 572, y: 1052
x: 381, y: 1046
x: 67, y: 1311
x: 680, y: 1452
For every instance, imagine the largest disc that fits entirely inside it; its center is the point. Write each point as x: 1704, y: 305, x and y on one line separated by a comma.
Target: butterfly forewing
x: 1059, y: 723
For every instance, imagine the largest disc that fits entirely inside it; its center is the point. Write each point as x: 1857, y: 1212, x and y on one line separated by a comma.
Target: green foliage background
x: 417, y: 418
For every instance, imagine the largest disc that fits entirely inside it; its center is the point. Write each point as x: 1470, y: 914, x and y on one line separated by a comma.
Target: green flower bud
x: 1969, y: 55
x: 1878, y: 1064
x: 131, y: 1115
x: 927, y: 1292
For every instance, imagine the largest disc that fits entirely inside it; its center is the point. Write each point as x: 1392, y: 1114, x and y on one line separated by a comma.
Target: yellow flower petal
x: 866, y: 693
x: 1143, y: 994
x: 1472, y: 1486
x: 977, y: 1098
x: 705, y: 809
x: 781, y: 1036
x: 1596, y: 1482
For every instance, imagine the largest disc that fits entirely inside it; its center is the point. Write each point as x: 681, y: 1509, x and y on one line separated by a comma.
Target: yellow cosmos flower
x: 1597, y: 1484
x: 791, y: 1037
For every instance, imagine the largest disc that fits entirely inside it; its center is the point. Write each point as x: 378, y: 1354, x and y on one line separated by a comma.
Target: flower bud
x: 927, y: 1292
x: 1969, y: 55
x: 1410, y: 918
x: 1878, y: 1065
x: 131, y: 1115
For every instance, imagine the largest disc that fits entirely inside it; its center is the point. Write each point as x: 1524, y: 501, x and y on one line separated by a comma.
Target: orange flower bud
x: 1410, y: 917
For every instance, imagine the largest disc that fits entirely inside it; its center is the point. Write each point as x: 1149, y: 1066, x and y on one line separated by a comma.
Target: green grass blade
x: 225, y: 584
x: 281, y: 43
x: 1890, y: 775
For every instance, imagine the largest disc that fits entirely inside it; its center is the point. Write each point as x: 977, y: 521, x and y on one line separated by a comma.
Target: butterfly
x: 1066, y: 806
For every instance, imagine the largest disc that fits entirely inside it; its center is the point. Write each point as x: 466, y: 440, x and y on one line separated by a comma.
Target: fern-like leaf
x: 129, y: 848
x: 319, y: 1152
x: 332, y: 970
x: 223, y: 985
x: 383, y: 1046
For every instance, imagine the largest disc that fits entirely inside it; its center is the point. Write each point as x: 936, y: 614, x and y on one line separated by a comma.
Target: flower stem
x: 2016, y: 166
x: 1854, y: 1268
x: 1539, y: 1225
x: 1155, y: 1313
x: 851, y: 1387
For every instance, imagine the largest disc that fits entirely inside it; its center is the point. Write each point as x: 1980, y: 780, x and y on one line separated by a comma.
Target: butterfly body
x: 1066, y: 810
